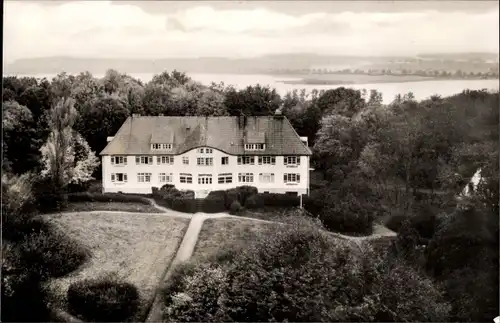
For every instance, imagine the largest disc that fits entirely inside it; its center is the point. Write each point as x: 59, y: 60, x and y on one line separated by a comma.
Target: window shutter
x: 260, y: 160
x: 112, y: 177
x: 158, y: 160
x: 298, y: 178
x: 298, y: 160
x: 137, y: 160
x: 171, y: 160
x: 125, y: 160
x: 124, y: 177
x: 285, y: 160
x: 273, y: 160
x: 284, y: 178
x: 112, y: 160
x: 239, y: 160
x: 150, y: 161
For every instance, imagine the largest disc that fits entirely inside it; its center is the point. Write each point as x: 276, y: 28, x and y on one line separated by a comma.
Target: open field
x: 137, y: 249
x: 110, y: 206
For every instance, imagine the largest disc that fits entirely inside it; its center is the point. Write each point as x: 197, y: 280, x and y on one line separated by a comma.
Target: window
x: 169, y: 160
x: 201, y: 150
x: 255, y: 146
x: 225, y: 178
x: 267, y: 160
x: 165, y: 177
x: 144, y: 160
x: 291, y: 160
x: 204, y: 161
x: 118, y: 160
x: 245, y: 177
x: 144, y: 177
x: 161, y: 146
x: 186, y: 178
x: 119, y: 177
x: 208, y: 150
x: 224, y: 160
x: 291, y: 178
x: 246, y: 160
x: 205, y: 179
x: 185, y: 160
x: 266, y: 177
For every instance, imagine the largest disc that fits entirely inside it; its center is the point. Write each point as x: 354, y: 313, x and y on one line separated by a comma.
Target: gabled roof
x: 227, y: 134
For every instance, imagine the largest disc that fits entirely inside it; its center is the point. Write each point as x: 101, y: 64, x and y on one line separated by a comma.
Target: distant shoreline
x: 398, y: 79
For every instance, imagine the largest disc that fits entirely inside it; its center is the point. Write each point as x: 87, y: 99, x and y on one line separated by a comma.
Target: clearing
x: 136, y: 248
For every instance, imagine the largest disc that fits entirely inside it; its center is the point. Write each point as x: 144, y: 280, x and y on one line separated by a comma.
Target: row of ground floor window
x: 186, y: 178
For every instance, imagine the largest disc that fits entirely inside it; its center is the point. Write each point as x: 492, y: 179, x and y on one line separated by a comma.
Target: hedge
x: 106, y: 197
x: 103, y: 300
x: 168, y: 196
x: 282, y: 200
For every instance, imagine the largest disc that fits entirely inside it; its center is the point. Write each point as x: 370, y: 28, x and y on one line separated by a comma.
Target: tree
x: 66, y: 157
x: 339, y: 143
x: 20, y: 153
x: 255, y: 100
x: 343, y: 101
x: 298, y: 274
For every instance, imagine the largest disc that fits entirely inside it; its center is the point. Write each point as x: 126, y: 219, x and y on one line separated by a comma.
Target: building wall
x: 133, y: 186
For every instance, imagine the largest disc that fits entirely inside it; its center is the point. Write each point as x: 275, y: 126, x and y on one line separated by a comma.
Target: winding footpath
x: 185, y: 250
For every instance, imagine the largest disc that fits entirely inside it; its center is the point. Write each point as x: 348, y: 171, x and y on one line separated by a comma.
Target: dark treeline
x: 371, y: 159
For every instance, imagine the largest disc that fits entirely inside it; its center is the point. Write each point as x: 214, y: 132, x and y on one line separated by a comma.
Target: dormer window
x: 253, y: 147
x: 161, y: 146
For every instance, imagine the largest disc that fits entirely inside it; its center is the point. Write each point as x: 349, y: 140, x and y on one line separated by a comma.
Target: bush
x: 20, y: 290
x: 186, y: 205
x: 51, y: 253
x: 235, y: 207
x: 348, y: 216
x: 232, y: 195
x: 299, y: 274
x: 214, y: 203
x: 245, y: 192
x: 103, y: 300
x: 106, y: 197
x: 280, y: 200
x: 254, y: 202
x: 396, y: 221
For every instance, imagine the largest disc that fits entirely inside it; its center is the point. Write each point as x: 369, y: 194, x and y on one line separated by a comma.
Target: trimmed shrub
x: 186, y: 205
x: 106, y: 197
x: 50, y: 252
x: 299, y: 274
x: 231, y: 196
x: 103, y: 300
x: 395, y: 222
x: 254, y: 202
x: 280, y: 200
x: 245, y: 192
x: 235, y: 207
x: 214, y: 203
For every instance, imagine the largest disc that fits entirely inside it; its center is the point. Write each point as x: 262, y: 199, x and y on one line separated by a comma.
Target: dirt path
x: 183, y: 254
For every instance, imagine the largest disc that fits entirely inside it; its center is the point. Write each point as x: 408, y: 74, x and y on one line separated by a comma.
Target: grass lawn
x: 136, y: 248
x: 110, y: 206
x: 225, y: 233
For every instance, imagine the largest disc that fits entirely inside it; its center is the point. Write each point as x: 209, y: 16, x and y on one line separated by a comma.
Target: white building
x: 206, y: 153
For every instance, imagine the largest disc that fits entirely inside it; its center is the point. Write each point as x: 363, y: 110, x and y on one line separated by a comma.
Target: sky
x: 149, y: 29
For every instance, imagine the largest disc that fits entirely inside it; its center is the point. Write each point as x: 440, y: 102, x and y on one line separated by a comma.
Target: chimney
x: 135, y: 115
x: 108, y: 139
x: 278, y: 114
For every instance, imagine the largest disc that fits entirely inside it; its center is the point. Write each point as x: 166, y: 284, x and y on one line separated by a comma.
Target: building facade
x: 203, y: 154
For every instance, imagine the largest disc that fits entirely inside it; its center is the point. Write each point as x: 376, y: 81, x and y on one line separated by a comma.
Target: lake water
x: 421, y: 90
